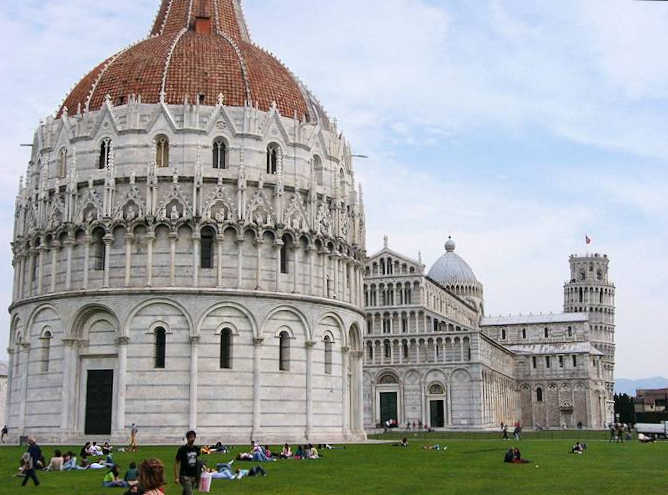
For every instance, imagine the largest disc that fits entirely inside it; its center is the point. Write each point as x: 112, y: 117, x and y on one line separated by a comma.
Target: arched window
x: 570, y: 331
x: 105, y: 152
x: 272, y: 159
x: 503, y: 334
x: 219, y: 153
x: 547, y: 332
x: 386, y: 349
x: 284, y: 351
x: 206, y: 248
x: 342, y: 182
x: 62, y: 163
x: 46, y: 350
x: 226, y: 349
x: 539, y: 394
x: 161, y: 151
x: 160, y: 347
x: 369, y: 348
x: 524, y: 333
x: 99, y: 250
x: 287, y: 242
x: 328, y: 355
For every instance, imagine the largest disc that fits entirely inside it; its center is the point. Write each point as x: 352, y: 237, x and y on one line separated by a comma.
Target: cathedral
x: 433, y: 359
x: 189, y: 253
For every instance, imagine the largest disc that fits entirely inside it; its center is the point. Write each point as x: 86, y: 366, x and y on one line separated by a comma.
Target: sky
x: 516, y: 127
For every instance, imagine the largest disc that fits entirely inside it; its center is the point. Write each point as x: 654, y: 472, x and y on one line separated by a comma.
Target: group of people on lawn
x: 148, y: 478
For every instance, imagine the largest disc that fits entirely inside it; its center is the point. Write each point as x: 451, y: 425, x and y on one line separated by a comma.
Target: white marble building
x: 188, y: 250
x: 3, y: 391
x: 433, y: 358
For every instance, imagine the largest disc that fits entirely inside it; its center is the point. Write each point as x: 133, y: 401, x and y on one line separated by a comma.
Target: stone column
x: 55, y: 246
x: 40, y: 267
x: 277, y: 251
x: 345, y: 384
x: 323, y: 253
x: 219, y: 246
x: 258, y: 268
x: 295, y: 272
x: 69, y: 242
x: 194, y: 357
x: 196, y: 246
x: 10, y: 380
x: 240, y: 252
x: 358, y: 380
x: 107, y: 257
x: 257, y: 386
x: 312, y: 251
x: 122, y: 343
x: 128, y: 257
x: 87, y: 241
x: 24, y: 386
x: 335, y: 269
x: 309, y: 388
x: 172, y: 258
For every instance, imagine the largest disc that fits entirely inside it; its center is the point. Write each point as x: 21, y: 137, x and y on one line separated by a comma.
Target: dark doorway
x: 99, y: 402
x: 436, y: 414
x: 388, y: 406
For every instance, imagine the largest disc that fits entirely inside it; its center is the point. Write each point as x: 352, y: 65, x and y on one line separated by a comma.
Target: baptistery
x: 188, y: 250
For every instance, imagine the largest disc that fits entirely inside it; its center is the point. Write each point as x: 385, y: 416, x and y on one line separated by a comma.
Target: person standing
x: 185, y: 467
x: 29, y: 470
x: 5, y: 431
x: 35, y: 453
x: 133, y: 438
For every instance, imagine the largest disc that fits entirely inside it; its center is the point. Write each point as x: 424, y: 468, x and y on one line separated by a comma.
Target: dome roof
x: 197, y: 49
x: 451, y: 269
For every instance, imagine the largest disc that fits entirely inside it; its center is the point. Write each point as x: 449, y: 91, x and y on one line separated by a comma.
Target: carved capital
x: 258, y: 341
x: 194, y: 339
x: 124, y: 340
x: 345, y: 349
x: 309, y: 344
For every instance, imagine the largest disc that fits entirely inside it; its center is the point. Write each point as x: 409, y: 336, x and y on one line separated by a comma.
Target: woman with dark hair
x: 152, y: 476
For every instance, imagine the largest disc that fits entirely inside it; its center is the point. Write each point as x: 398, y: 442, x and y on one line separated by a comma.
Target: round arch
x: 238, y: 307
x: 149, y: 302
x: 294, y: 311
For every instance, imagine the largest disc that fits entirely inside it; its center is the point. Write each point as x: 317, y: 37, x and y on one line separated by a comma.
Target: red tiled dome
x: 196, y: 47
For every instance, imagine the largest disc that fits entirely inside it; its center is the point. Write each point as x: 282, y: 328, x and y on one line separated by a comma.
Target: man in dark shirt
x: 36, y: 453
x: 185, y: 467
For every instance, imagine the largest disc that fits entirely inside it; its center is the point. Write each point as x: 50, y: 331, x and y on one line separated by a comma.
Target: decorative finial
x: 386, y: 241
x: 450, y: 245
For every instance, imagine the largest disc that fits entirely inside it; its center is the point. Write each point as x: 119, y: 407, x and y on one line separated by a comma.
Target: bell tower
x: 591, y: 291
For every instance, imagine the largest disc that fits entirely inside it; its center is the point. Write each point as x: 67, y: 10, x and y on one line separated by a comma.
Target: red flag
x: 588, y: 239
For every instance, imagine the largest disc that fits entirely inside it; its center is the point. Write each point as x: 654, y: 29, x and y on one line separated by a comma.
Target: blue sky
x: 518, y: 127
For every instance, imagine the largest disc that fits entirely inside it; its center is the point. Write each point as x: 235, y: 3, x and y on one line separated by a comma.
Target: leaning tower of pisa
x: 591, y: 291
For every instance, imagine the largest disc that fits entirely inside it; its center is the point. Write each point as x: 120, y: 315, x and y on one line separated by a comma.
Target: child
x: 111, y: 479
x: 29, y: 470
x: 131, y: 474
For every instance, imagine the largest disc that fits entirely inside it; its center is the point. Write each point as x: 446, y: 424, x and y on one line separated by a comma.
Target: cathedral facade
x: 433, y: 359
x: 188, y: 250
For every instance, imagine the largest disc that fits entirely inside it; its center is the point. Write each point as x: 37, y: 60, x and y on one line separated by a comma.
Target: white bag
x: 205, y: 483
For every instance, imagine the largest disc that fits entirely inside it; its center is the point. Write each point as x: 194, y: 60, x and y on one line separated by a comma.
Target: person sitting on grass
x: 642, y: 438
x: 106, y: 448
x: 152, y: 477
x: 286, y: 453
x: 434, y: 447
x: 578, y: 448
x: 509, y: 456
x: 299, y: 454
x: 56, y: 462
x: 131, y: 475
x: 259, y: 454
x: 112, y: 480
x: 69, y: 462
x: 254, y: 471
x: 312, y: 452
x: 517, y: 457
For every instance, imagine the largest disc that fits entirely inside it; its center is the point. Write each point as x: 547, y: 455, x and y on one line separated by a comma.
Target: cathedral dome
x: 197, y: 51
x: 451, y: 268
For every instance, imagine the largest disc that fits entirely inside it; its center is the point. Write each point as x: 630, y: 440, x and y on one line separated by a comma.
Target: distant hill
x: 626, y: 386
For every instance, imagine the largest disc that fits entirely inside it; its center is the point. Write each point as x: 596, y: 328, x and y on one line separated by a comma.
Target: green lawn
x: 466, y: 467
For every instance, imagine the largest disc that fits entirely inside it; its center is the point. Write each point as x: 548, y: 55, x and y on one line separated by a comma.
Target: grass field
x: 466, y: 467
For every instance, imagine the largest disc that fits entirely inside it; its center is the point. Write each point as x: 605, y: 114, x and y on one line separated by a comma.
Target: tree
x: 625, y: 408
